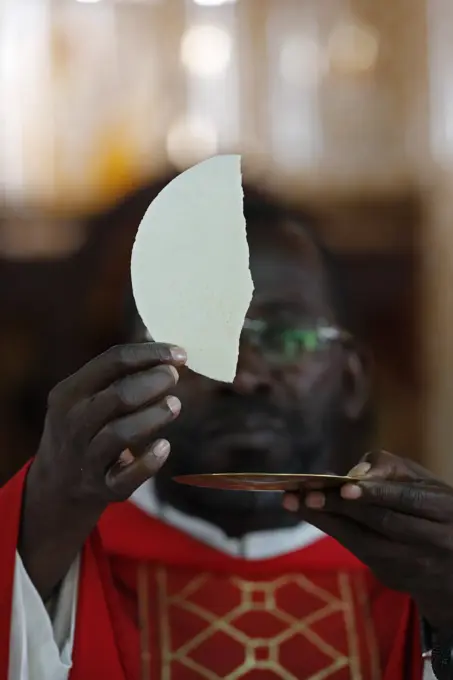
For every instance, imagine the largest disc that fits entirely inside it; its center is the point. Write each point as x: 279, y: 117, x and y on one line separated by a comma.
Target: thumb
x: 131, y: 472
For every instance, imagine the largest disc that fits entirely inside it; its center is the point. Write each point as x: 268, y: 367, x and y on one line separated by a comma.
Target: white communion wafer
x: 190, y: 266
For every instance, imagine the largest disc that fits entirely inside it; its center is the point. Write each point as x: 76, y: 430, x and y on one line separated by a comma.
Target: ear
x: 356, y: 382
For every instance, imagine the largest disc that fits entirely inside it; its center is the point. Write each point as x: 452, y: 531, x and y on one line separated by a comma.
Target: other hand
x: 398, y: 520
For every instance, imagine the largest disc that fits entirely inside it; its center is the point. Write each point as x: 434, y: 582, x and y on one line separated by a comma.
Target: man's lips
x: 251, y: 451
x: 243, y: 423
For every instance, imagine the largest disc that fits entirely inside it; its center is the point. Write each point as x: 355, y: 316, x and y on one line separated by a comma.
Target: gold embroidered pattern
x: 283, y: 627
x: 370, y: 634
x: 144, y: 620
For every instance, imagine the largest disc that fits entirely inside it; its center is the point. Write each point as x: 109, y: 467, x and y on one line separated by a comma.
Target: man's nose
x: 253, y: 374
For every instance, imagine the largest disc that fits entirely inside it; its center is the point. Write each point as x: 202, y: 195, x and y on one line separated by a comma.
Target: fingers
x: 396, y: 526
x: 127, y: 395
x: 122, y: 480
x: 421, y: 500
x: 399, y: 511
x: 385, y: 465
x: 116, y: 363
x: 134, y: 431
x: 398, y: 484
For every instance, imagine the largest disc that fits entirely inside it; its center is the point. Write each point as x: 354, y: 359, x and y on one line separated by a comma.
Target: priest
x: 111, y: 570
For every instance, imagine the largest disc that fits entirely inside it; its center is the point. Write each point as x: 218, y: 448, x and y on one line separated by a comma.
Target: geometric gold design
x: 217, y: 626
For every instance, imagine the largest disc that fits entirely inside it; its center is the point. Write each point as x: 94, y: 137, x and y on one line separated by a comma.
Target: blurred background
x: 343, y: 107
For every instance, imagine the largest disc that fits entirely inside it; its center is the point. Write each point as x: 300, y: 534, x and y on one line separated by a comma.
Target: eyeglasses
x: 283, y: 344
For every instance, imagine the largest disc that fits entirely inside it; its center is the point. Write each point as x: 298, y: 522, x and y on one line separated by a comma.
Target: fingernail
x: 291, y: 503
x: 126, y: 458
x: 161, y: 448
x: 174, y: 405
x: 174, y: 373
x: 360, y: 470
x: 351, y: 492
x: 179, y: 354
x: 315, y: 501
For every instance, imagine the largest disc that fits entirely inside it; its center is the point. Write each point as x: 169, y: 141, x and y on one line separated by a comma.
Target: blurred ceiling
x: 326, y: 96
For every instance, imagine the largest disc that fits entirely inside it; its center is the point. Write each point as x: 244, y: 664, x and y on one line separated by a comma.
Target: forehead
x: 287, y: 270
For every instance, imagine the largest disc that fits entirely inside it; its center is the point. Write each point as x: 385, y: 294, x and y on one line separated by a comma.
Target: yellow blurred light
x: 353, y: 48
x: 206, y: 50
x: 301, y: 61
x: 114, y: 164
x: 190, y: 140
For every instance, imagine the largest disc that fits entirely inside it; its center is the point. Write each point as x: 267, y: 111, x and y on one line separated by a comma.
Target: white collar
x: 253, y: 546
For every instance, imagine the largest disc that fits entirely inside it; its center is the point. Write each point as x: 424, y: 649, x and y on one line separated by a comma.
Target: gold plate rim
x: 256, y: 481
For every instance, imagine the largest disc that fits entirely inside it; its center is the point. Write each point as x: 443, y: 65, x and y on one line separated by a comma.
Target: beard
x: 246, y: 434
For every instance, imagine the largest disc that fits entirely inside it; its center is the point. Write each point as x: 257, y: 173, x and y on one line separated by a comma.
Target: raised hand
x: 99, y: 444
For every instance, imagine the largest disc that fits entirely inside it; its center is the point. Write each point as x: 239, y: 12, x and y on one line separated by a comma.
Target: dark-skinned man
x: 182, y: 583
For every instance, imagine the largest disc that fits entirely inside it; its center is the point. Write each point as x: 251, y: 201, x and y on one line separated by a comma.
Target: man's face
x: 285, y: 407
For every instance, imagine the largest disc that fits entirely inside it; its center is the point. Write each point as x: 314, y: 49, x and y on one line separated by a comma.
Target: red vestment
x: 156, y: 604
